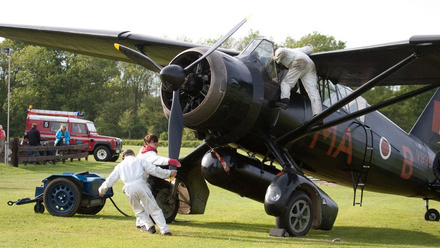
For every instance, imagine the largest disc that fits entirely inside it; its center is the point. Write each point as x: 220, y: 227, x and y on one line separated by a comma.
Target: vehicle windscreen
x: 91, y: 127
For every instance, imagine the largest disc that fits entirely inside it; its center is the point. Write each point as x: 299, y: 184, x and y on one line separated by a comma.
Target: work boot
x: 284, y: 103
x: 151, y: 230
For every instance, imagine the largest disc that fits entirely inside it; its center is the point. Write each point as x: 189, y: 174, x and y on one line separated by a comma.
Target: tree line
x: 123, y: 99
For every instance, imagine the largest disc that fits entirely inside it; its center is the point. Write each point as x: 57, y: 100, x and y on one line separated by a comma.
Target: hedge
x: 162, y: 143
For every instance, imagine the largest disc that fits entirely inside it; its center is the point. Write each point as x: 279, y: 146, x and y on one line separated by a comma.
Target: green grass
x: 229, y: 220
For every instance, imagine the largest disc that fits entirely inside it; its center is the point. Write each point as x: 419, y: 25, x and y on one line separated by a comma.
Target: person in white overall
x: 149, y: 153
x: 300, y: 67
x: 134, y: 173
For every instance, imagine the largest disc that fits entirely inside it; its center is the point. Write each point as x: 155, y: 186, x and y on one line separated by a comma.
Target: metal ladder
x: 359, y: 175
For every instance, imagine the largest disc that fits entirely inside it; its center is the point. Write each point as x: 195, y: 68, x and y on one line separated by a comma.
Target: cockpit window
x: 330, y: 94
x: 262, y: 50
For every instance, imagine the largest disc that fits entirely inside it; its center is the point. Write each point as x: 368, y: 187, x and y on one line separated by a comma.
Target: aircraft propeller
x: 173, y: 76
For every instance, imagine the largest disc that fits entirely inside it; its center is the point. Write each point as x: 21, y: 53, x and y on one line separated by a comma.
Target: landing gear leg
x: 431, y: 214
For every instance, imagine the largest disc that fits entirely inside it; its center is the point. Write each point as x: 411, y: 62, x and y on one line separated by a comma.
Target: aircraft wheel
x: 297, y: 219
x: 62, y: 197
x: 432, y: 215
x: 169, y: 204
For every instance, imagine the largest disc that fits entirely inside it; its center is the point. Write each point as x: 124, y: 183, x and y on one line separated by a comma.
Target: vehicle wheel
x: 102, y: 153
x: 432, y: 215
x: 114, y: 158
x: 39, y: 208
x: 297, y: 219
x: 91, y: 210
x: 62, y: 197
x: 169, y: 205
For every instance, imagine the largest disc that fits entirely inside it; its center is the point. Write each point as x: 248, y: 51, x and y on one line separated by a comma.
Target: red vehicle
x: 104, y: 148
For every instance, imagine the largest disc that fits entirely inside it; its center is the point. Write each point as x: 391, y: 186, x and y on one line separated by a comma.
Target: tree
x: 319, y: 42
x: 37, y: 72
x: 127, y: 121
x: 405, y: 113
x: 151, y: 118
x: 243, y: 42
x: 134, y: 90
x: 84, y: 80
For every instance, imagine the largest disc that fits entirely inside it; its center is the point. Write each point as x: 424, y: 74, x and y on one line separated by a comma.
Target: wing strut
x: 282, y: 156
x: 375, y: 107
x: 306, y: 128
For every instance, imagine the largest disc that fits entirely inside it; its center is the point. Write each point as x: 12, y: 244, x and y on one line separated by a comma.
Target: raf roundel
x: 385, y: 148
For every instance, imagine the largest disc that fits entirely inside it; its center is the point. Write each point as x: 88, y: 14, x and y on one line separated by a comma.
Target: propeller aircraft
x: 263, y: 152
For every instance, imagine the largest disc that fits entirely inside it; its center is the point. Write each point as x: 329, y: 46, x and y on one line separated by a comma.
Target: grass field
x: 229, y: 220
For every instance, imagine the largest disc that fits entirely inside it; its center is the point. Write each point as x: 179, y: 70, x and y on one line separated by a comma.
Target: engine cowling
x: 217, y: 97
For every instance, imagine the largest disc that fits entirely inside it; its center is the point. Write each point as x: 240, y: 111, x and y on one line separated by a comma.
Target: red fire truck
x: 104, y: 148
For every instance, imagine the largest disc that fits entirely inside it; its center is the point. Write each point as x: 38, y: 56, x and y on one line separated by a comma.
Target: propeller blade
x: 217, y: 44
x: 174, y: 76
x: 139, y: 58
x: 175, y: 127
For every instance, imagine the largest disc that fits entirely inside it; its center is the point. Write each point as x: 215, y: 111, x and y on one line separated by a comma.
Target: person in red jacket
x: 149, y: 153
x: 2, y: 141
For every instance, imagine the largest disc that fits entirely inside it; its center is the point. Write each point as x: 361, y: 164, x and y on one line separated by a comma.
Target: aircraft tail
x: 427, y: 127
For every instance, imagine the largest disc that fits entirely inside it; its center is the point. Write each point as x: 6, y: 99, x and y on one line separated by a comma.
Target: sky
x: 358, y: 23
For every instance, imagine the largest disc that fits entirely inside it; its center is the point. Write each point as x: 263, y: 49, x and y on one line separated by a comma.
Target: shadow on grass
x: 259, y: 233
x: 383, y: 236
x: 348, y: 235
x: 107, y: 217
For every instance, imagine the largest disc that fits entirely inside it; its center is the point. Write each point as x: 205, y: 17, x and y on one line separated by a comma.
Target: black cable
x: 114, y: 204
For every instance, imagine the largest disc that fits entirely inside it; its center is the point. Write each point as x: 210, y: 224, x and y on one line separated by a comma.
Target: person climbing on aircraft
x: 134, y: 172
x: 300, y: 67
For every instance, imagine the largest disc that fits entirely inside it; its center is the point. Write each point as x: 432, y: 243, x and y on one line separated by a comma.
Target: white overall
x: 300, y: 67
x: 134, y: 172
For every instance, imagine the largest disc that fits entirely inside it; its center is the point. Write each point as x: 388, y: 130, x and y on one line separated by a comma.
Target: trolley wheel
x: 62, y: 197
x: 91, y: 210
x: 39, y: 208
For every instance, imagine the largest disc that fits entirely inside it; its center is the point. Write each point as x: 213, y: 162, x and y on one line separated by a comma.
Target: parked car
x: 103, y: 148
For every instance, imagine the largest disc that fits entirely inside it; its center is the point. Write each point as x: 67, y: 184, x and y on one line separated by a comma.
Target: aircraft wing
x: 354, y: 67
x: 351, y: 67
x: 98, y: 43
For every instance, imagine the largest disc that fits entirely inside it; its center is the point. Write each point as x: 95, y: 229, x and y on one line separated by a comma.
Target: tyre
x: 39, y: 208
x: 102, y: 153
x: 169, y: 204
x: 114, y: 158
x: 297, y: 218
x: 62, y: 197
x: 91, y: 210
x: 432, y: 215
